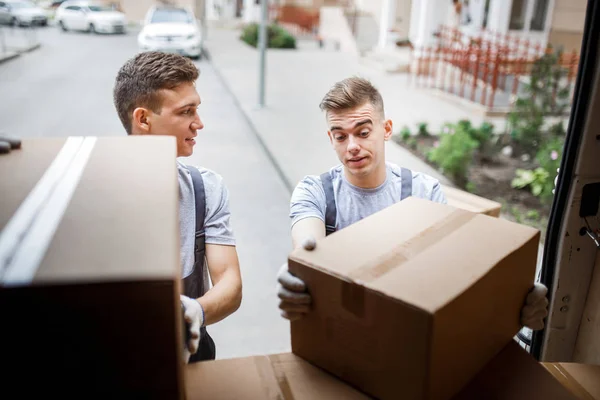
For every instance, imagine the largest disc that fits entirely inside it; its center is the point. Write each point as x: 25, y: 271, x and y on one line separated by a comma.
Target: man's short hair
x: 351, y: 93
x: 141, y: 78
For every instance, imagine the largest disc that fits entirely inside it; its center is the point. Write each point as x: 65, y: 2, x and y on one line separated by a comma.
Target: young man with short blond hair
x: 363, y: 184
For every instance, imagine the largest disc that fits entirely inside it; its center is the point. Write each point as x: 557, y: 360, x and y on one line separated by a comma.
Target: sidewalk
x: 292, y: 128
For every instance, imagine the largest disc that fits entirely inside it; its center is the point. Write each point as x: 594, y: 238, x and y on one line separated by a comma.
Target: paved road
x: 65, y: 88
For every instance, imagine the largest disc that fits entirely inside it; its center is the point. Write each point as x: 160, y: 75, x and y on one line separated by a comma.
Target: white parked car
x: 22, y: 13
x: 89, y: 17
x: 171, y: 29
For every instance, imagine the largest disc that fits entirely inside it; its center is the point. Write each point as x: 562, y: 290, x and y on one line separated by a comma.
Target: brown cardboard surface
x: 278, y: 376
x: 102, y: 314
x: 583, y: 380
x: 20, y: 170
x: 514, y: 375
x: 121, y: 214
x: 470, y: 202
x: 412, y: 292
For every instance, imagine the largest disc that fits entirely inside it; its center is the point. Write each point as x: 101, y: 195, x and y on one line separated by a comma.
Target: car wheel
x: 92, y: 29
x: 14, y: 21
x: 62, y: 26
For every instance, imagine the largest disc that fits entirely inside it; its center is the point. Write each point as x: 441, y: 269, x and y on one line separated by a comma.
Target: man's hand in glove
x: 535, y: 309
x: 193, y: 315
x: 295, y: 300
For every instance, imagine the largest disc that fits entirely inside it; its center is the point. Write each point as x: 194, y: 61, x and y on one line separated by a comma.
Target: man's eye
x: 187, y: 112
x: 340, y: 138
x: 364, y: 134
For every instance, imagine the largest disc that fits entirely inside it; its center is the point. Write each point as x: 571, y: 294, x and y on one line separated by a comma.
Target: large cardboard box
x: 414, y: 300
x: 278, y: 376
x: 89, y: 268
x: 583, y: 380
x: 514, y: 375
x: 471, y: 202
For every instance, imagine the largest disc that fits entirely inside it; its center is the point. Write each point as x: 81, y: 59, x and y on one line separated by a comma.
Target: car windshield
x: 99, y: 8
x: 171, y: 15
x: 21, y: 4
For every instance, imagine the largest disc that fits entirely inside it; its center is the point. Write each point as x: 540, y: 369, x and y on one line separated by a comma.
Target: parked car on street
x: 89, y: 17
x: 22, y: 13
x: 171, y: 29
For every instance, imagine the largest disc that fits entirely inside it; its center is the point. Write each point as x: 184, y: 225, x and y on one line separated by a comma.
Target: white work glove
x: 535, y: 309
x: 294, y: 299
x: 193, y: 314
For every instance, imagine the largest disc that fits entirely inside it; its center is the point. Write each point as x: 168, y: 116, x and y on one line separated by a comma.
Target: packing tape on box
x: 411, y: 248
x: 26, y: 237
x: 275, y: 382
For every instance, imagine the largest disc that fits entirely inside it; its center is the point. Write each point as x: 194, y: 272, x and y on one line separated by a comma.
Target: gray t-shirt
x: 217, y: 225
x: 354, y: 203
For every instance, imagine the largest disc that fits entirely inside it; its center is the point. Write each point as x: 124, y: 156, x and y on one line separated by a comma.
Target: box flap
x: 273, y: 377
x: 470, y: 202
x: 438, y: 245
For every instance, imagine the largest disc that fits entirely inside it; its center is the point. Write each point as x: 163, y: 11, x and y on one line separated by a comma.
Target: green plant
x: 277, y: 37
x: 405, y: 133
x: 536, y: 179
x: 533, y: 215
x: 412, y: 143
x: 516, y: 213
x: 546, y: 94
x: 454, y: 154
x: 471, y: 188
x: 422, y: 129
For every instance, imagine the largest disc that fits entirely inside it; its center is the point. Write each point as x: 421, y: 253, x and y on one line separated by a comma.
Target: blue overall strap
x: 406, y: 181
x: 330, y: 211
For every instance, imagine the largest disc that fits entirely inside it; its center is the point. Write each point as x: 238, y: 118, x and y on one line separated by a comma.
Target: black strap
x: 406, y: 182
x: 330, y: 211
x: 193, y: 284
x: 200, y: 198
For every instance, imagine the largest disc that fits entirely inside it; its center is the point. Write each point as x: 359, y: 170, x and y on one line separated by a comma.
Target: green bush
x: 405, y: 133
x: 454, y: 153
x: 546, y: 94
x: 277, y: 37
x: 537, y: 180
x: 422, y: 129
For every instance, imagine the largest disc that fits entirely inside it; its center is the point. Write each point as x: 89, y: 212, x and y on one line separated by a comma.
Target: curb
x: 8, y: 56
x: 16, y: 53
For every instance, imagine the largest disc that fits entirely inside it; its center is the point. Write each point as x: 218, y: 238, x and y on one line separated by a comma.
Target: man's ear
x: 389, y: 129
x: 141, y: 120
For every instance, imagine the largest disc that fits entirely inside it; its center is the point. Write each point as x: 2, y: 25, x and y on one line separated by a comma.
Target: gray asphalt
x: 65, y: 88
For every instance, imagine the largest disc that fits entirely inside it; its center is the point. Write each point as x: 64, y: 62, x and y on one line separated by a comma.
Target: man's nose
x: 197, y: 124
x: 353, y: 145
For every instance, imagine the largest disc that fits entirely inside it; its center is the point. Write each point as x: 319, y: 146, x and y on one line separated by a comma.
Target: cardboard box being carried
x: 414, y: 300
x: 89, y: 268
x: 279, y: 376
x: 583, y: 380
